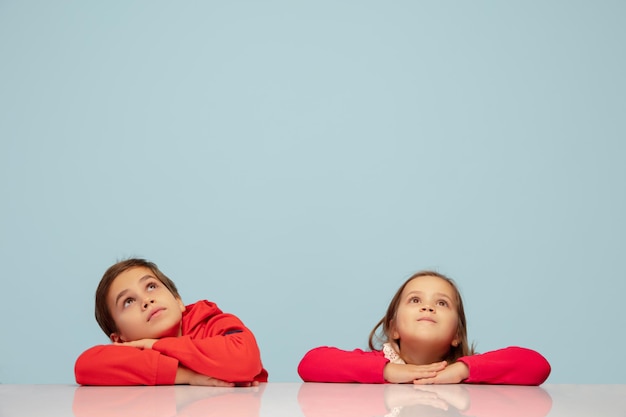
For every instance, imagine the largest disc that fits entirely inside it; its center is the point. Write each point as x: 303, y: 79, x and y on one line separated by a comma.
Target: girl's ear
x: 394, y: 333
x: 115, y: 338
x: 456, y: 341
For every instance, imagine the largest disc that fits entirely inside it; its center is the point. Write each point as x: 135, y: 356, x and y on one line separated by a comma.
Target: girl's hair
x: 463, y: 349
x: 103, y: 315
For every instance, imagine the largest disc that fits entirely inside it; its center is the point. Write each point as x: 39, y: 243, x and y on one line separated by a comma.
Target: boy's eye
x: 151, y: 286
x: 128, y: 302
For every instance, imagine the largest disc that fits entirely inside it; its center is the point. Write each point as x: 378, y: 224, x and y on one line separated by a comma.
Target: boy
x: 157, y: 340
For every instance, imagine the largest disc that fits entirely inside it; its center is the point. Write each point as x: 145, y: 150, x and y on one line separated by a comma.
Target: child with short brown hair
x: 157, y: 340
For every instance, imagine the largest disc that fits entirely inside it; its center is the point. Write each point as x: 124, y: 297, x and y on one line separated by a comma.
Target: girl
x: 425, y: 342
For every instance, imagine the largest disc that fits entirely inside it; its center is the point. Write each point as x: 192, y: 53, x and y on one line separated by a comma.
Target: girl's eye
x: 414, y: 300
x: 128, y: 302
x: 442, y: 303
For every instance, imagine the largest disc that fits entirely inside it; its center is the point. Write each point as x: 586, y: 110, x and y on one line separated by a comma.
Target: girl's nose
x: 427, y: 308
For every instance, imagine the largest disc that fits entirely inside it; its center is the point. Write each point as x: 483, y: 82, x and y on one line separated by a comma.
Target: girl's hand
x: 139, y: 344
x: 452, y: 374
x: 405, y: 373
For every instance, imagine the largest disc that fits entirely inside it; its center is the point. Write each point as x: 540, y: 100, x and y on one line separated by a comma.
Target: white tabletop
x: 314, y: 400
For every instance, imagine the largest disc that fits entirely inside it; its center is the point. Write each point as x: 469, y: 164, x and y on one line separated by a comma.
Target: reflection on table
x: 167, y: 401
x: 312, y: 400
x: 346, y: 400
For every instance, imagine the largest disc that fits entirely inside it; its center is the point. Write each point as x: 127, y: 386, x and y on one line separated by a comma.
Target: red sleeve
x: 513, y: 365
x: 224, y: 349
x: 330, y: 364
x: 124, y: 365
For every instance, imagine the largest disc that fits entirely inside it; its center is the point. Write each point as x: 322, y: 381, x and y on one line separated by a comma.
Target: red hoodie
x: 212, y: 343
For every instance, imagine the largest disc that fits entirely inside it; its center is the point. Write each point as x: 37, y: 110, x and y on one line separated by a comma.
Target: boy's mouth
x: 155, y: 312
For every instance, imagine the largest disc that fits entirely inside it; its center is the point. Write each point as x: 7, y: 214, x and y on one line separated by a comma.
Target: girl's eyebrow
x: 443, y: 295
x: 437, y: 294
x: 121, y: 294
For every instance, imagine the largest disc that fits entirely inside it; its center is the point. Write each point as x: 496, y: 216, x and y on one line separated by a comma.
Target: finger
x: 439, y: 365
x: 424, y: 374
x: 219, y: 383
x: 425, y: 381
x: 433, y: 367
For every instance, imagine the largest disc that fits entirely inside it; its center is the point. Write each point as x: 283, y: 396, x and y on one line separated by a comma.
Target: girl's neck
x: 425, y: 355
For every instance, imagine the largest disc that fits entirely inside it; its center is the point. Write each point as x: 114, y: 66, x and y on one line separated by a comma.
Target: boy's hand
x: 405, y: 373
x: 139, y: 344
x: 208, y: 381
x: 187, y: 376
x: 452, y: 374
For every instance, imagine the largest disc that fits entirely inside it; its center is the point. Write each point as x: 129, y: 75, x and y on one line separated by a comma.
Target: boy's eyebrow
x: 121, y: 294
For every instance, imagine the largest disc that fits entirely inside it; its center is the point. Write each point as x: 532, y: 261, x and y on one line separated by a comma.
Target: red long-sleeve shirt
x: 513, y: 365
x: 212, y: 343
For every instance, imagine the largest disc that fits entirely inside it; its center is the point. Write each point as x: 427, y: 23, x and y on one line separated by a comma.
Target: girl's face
x: 427, y: 313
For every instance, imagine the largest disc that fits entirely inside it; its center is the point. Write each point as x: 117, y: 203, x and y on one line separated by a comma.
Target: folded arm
x: 512, y: 365
x: 330, y: 364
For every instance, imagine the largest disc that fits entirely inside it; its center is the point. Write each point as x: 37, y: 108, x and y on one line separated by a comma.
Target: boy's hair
x: 463, y: 349
x: 103, y: 315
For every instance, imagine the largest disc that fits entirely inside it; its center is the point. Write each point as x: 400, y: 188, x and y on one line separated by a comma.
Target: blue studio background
x: 296, y: 161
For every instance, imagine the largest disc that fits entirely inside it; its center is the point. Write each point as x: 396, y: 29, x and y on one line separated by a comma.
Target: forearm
x: 234, y: 357
x: 513, y: 365
x: 329, y: 364
x: 124, y: 365
x: 183, y: 375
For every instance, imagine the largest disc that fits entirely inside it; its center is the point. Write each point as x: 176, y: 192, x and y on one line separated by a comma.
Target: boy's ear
x: 181, y: 305
x: 115, y: 338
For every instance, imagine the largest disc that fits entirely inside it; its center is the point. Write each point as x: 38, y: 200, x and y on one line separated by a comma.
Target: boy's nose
x: 147, y: 302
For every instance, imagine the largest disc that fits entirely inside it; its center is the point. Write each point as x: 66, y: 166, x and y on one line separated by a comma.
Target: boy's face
x: 142, y: 307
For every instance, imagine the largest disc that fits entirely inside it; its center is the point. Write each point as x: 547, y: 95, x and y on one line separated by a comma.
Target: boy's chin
x: 173, y: 332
